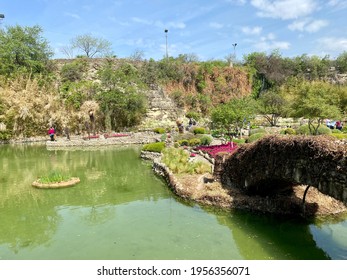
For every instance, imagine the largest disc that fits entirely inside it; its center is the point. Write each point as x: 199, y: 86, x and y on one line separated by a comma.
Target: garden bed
x: 213, y: 150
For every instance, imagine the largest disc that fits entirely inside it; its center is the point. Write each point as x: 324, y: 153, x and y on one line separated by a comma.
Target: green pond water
x: 121, y: 210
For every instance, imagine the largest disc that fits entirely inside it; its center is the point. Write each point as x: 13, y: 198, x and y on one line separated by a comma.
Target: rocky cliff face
x: 162, y: 111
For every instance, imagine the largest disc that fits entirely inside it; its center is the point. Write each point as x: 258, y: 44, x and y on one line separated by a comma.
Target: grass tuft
x: 54, y: 177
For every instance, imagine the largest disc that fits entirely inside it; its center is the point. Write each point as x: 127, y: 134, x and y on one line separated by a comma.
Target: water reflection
x: 120, y: 210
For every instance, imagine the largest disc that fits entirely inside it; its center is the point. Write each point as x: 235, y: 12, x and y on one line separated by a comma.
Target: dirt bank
x: 204, y: 189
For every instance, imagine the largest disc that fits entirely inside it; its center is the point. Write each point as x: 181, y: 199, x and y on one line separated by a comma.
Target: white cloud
x: 216, y: 25
x: 271, y: 36
x: 272, y: 45
x: 332, y: 44
x: 269, y: 43
x: 316, y: 25
x: 284, y: 9
x: 251, y: 30
x: 142, y: 21
x: 308, y: 25
x: 158, y: 23
x: 176, y: 25
x: 76, y: 16
x: 338, y: 4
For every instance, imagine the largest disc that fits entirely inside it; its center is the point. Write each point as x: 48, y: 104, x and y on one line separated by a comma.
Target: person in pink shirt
x: 51, y: 133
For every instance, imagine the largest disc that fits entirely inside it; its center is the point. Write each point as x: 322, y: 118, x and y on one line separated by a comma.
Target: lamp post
x: 234, y: 45
x: 167, y: 55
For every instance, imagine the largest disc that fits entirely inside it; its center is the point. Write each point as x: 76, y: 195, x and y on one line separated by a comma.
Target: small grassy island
x: 55, y: 180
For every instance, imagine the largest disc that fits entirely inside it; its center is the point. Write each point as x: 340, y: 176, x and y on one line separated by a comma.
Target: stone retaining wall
x: 163, y: 171
x: 132, y: 139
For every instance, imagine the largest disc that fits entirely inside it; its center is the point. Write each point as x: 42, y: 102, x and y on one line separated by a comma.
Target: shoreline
x: 203, y: 189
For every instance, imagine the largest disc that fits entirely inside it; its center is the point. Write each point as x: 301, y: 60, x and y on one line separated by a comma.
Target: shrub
x: 177, y: 160
x: 257, y: 130
x: 344, y: 129
x: 199, y: 130
x: 288, y: 131
x: 183, y: 142
x: 335, y: 130
x: 194, y: 142
x: 215, y: 149
x: 4, y: 135
x: 205, y: 140
x: 159, y: 130
x: 154, y: 147
x: 239, y: 141
x: 73, y: 71
x: 163, y: 137
x: 194, y: 115
x: 216, y: 133
x: 255, y: 137
x: 177, y: 97
x: 323, y: 130
x: 303, y: 130
x: 340, y: 136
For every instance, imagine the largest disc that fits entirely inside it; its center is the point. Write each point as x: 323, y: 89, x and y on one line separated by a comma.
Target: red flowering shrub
x: 115, y: 135
x: 215, y: 149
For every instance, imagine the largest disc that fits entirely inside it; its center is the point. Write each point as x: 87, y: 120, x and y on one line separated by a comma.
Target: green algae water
x: 121, y: 210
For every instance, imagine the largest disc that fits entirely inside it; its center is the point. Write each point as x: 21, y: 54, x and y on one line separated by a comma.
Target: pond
x: 121, y: 210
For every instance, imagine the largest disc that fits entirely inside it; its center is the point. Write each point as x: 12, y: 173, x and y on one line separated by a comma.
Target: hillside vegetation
x: 36, y: 91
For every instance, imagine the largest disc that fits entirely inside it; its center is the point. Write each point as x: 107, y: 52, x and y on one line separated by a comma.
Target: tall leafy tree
x: 270, y: 70
x: 315, y: 101
x: 121, y: 100
x: 23, y: 49
x: 233, y: 115
x: 272, y: 105
x: 91, y: 46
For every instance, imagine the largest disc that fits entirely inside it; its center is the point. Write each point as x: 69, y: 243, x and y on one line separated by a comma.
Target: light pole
x: 234, y: 45
x: 2, y: 16
x: 167, y: 55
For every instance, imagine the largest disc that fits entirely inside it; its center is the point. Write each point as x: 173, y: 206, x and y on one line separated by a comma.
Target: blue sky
x: 207, y: 28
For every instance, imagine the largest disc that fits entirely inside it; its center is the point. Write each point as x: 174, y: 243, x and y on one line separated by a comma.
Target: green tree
x: 23, y: 49
x: 311, y: 67
x: 272, y: 105
x: 122, y: 100
x: 233, y: 115
x: 341, y: 62
x: 315, y: 101
x: 73, y: 71
x: 91, y: 46
x: 270, y: 70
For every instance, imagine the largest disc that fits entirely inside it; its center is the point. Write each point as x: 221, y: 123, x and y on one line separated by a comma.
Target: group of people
x: 334, y: 124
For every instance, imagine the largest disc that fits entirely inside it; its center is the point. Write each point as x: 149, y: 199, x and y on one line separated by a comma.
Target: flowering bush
x: 115, y: 135
x: 215, y: 149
